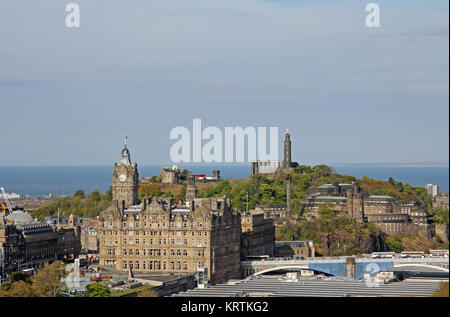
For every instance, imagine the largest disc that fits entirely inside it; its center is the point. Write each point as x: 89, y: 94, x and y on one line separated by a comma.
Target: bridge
x: 344, y: 266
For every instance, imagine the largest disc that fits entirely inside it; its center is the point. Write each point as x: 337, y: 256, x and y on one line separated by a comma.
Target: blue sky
x: 140, y: 68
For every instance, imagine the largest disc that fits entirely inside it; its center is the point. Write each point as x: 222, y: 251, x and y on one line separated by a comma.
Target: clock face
x: 122, y: 177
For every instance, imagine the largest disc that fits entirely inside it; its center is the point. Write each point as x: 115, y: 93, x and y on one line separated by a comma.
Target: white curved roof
x: 20, y: 217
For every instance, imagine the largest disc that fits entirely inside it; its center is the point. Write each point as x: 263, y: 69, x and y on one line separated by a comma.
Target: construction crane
x: 8, y: 204
x: 4, y: 208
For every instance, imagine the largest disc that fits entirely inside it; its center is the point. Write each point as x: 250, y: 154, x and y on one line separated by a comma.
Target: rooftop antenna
x: 126, y: 138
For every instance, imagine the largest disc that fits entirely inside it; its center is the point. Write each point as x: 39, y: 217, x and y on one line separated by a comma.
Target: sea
x: 65, y: 180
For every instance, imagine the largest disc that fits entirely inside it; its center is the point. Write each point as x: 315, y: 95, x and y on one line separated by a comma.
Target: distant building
x: 28, y: 243
x: 88, y: 230
x: 170, y: 175
x: 289, y: 249
x: 277, y: 212
x: 389, y: 214
x: 276, y: 167
x: 60, y: 220
x: 89, y: 235
x: 208, y: 179
x: 2, y: 259
x: 13, y: 196
x: 440, y: 202
x: 433, y: 190
x: 257, y: 236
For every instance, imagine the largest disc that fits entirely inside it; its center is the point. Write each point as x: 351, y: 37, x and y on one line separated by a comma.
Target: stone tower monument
x: 125, y: 181
x: 287, y: 151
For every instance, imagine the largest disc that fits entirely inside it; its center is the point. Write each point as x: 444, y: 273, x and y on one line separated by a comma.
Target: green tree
x: 108, y: 194
x: 224, y: 188
x: 97, y: 290
x: 394, y: 244
x: 325, y: 211
x: 267, y: 192
x: 19, y: 276
x: 322, y: 170
x: 95, y: 196
x: 440, y: 215
x: 79, y: 193
x: 156, y: 179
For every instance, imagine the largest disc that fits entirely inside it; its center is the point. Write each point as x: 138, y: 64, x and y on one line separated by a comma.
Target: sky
x: 139, y: 68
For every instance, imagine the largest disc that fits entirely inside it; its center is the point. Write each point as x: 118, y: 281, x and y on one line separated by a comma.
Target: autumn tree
x: 20, y: 289
x: 47, y: 281
x: 149, y: 190
x: 148, y: 292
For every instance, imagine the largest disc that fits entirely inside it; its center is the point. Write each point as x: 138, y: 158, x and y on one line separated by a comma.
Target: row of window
x: 155, y: 233
x: 155, y: 252
x: 132, y: 224
x: 198, y: 243
x: 157, y: 265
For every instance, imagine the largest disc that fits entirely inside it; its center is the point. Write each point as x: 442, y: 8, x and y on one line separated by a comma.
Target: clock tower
x: 125, y: 181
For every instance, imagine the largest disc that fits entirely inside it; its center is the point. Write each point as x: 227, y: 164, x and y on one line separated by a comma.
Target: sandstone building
x: 159, y: 236
x: 389, y: 214
x: 27, y: 243
x: 171, y: 175
x: 303, y: 249
x: 258, y: 235
x: 277, y: 212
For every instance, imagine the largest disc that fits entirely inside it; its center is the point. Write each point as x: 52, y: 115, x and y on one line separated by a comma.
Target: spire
x: 126, y: 154
x: 287, y: 136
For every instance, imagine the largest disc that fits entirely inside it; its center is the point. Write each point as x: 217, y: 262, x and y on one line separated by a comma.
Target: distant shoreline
x: 65, y: 180
x: 418, y: 164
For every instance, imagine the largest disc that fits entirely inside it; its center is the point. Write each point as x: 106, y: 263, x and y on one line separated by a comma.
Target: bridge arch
x: 338, y: 268
x: 441, y: 268
x: 281, y: 267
